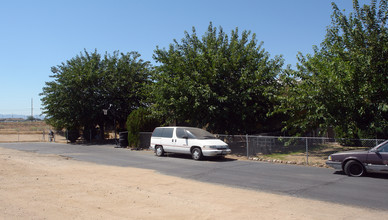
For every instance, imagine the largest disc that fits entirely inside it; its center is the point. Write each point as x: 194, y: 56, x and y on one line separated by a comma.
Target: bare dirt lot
x: 34, y: 186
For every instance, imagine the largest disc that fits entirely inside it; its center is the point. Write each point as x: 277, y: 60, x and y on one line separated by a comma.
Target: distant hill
x: 12, y: 119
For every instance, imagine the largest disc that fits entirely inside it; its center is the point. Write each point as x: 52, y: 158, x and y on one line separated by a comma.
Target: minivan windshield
x: 198, y: 133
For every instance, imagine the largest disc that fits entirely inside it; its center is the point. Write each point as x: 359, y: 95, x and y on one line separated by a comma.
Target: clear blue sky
x: 36, y: 35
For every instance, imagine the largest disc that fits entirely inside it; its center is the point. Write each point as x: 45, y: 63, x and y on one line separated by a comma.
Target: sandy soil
x: 34, y: 186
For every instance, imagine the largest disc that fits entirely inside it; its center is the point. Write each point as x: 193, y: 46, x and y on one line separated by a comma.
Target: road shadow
x: 94, y: 142
x: 368, y: 175
x: 377, y: 175
x: 188, y: 157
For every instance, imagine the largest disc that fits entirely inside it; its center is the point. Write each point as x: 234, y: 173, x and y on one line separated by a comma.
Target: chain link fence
x: 252, y: 146
x: 27, y: 131
x: 30, y: 136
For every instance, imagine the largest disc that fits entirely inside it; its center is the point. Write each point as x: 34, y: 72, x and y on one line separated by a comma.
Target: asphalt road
x: 299, y: 181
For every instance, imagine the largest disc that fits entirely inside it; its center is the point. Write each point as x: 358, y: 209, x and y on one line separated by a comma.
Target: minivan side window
x: 157, y: 132
x: 180, y: 133
x: 167, y: 132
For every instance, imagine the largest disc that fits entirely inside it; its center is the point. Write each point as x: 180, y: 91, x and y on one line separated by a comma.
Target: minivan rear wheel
x: 196, y: 153
x: 159, y: 151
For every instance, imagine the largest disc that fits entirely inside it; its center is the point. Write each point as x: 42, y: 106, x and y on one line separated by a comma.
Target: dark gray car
x: 357, y: 163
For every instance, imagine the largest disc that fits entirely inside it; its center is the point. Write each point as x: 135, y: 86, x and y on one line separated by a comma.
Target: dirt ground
x: 34, y: 186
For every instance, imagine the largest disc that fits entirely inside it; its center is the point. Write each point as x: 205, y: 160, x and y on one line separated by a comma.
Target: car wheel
x: 354, y: 168
x: 159, y: 151
x: 196, y: 153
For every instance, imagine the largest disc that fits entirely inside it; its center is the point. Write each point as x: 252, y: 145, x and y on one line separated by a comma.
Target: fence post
x: 247, y: 145
x: 307, y: 151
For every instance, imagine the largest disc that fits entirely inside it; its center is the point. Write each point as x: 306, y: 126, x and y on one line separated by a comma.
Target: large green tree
x: 88, y: 83
x: 344, y: 83
x: 220, y: 81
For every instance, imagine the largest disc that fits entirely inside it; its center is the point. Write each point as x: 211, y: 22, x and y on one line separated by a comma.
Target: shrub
x: 140, y: 120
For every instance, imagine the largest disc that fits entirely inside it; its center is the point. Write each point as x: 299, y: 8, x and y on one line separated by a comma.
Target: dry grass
x: 26, y: 131
x: 25, y: 126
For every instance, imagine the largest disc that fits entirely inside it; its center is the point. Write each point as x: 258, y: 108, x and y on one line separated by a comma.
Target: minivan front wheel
x: 196, y: 153
x: 159, y: 151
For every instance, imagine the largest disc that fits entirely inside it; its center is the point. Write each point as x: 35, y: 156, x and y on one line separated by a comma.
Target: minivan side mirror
x: 185, y: 137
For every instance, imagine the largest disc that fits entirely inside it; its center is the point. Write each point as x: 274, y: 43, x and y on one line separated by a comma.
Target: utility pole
x: 32, y: 109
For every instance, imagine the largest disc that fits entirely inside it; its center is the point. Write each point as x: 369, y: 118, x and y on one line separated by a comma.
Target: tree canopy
x: 344, y: 83
x: 88, y: 83
x: 219, y: 81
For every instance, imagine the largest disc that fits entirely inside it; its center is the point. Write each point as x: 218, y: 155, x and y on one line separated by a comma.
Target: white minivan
x: 187, y: 140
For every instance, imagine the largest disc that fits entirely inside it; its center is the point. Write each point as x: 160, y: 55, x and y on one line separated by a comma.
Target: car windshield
x: 198, y: 133
x: 383, y: 147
